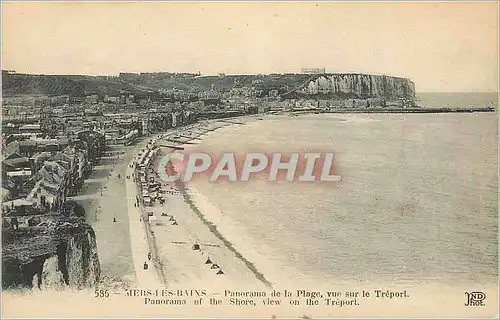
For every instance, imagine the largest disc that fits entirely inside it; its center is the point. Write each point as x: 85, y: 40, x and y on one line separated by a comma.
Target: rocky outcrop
x: 361, y: 86
x: 60, y: 255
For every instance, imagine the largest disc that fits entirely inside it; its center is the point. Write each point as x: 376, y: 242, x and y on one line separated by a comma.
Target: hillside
x: 76, y: 86
x: 335, y: 85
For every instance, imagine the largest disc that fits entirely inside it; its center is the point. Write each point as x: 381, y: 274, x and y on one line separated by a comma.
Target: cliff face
x: 360, y: 86
x: 58, y: 256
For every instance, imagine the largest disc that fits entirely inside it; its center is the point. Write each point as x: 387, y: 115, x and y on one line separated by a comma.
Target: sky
x: 442, y: 47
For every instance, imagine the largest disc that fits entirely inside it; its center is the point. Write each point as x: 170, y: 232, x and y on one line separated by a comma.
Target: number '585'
x: 101, y: 294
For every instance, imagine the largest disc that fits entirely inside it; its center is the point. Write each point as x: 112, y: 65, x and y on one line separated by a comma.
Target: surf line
x: 215, y: 231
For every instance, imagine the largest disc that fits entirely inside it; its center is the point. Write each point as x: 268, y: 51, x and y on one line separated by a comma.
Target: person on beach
x: 149, y: 256
x: 114, y: 219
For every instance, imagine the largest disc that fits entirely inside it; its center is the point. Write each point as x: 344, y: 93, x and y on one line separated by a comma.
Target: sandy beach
x: 124, y: 240
x: 188, y: 248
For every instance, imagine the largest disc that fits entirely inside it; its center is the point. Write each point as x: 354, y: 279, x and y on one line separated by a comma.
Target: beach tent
x: 153, y: 220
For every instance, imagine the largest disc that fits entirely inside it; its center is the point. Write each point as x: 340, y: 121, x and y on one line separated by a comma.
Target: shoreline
x: 215, y: 230
x: 182, y: 208
x: 183, y: 138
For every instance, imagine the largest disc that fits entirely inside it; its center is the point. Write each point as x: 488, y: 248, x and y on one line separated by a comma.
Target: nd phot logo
x: 475, y: 299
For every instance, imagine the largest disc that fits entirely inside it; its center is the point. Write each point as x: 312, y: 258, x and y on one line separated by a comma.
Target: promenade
x: 146, y: 278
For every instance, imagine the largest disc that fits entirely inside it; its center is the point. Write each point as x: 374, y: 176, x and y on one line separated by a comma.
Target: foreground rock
x: 57, y: 254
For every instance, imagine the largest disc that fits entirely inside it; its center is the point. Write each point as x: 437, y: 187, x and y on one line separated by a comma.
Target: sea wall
x: 360, y: 86
x: 60, y: 255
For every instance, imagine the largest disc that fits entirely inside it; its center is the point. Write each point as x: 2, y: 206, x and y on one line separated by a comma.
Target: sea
x: 418, y: 199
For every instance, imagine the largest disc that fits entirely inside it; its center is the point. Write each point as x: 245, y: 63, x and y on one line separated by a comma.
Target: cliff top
x: 141, y: 84
x: 28, y: 242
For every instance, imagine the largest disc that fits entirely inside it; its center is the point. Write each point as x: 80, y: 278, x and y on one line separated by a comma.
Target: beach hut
x: 153, y: 221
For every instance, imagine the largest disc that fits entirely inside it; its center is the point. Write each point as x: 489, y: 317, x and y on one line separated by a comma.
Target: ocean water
x: 417, y: 201
x: 458, y: 99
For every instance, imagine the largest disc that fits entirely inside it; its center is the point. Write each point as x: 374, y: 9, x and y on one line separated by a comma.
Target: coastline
x: 185, y: 268
x: 209, y: 215
x: 179, y: 262
x: 115, y: 240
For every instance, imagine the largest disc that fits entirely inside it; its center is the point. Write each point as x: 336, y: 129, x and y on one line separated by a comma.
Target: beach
x: 188, y: 248
x: 124, y: 240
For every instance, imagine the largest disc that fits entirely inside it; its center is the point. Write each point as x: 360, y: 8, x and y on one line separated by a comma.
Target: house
x: 12, y: 147
x: 28, y: 147
x: 46, y: 196
x: 55, y: 175
x: 73, y: 161
x: 92, y: 98
x: 38, y: 159
x: 128, y: 138
x: 15, y: 161
x: 95, y: 141
x: 51, y: 171
x: 19, y: 178
x: 17, y: 207
x: 29, y: 128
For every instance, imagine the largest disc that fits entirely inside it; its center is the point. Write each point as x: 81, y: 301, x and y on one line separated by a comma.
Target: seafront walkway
x: 146, y: 278
x: 102, y: 196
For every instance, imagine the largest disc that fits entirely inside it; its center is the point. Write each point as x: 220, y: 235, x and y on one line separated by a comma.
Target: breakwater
x: 397, y: 110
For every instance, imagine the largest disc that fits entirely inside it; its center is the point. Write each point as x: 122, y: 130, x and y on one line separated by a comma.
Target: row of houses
x: 38, y: 180
x: 118, y: 138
